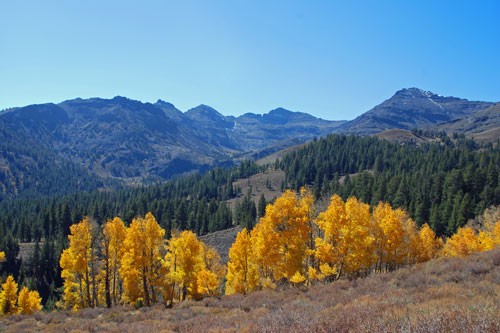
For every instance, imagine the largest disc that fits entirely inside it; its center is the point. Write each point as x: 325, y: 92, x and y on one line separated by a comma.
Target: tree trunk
x: 145, y: 286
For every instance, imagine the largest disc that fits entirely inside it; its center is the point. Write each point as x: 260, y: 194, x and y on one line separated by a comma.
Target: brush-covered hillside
x: 442, y: 295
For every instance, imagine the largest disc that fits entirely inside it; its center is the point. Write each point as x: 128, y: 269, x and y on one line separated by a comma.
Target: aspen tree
x: 29, y: 301
x: 242, y: 275
x: 114, y: 233
x: 8, y: 296
x: 141, y: 261
x: 79, y: 267
x: 283, y: 240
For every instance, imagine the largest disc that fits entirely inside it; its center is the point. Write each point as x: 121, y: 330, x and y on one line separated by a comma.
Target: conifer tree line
x: 196, y: 202
x: 292, y: 244
x: 30, y: 170
x: 444, y: 183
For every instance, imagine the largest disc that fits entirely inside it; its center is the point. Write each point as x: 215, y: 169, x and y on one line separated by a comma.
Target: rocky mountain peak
x: 161, y: 102
x: 205, y: 112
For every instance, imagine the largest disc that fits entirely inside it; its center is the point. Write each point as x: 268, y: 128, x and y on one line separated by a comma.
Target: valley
x: 202, y: 174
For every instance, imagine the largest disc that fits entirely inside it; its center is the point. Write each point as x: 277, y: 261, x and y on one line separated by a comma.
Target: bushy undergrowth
x: 446, y: 294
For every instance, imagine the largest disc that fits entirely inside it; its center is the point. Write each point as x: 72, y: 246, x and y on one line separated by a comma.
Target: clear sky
x: 333, y: 59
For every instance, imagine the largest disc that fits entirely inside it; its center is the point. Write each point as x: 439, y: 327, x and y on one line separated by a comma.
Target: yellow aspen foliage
x: 297, y: 278
x: 313, y: 274
x: 486, y: 240
x: 8, y: 297
x: 210, y: 278
x: 29, y: 301
x: 182, y: 263
x: 330, y: 248
x: 242, y: 275
x: 208, y: 282
x: 212, y: 262
x: 113, y: 239
x: 283, y: 237
x: 266, y: 251
x: 2, y: 256
x: 396, y: 241
x: 141, y: 261
x: 79, y: 267
x: 495, y: 233
x: 490, y: 237
x: 186, y: 264
x: 462, y: 244
x: 359, y: 244
x: 347, y: 246
x: 411, y: 245
x: 429, y: 244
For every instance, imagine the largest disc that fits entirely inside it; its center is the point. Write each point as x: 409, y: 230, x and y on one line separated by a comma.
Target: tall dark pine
x: 261, y: 210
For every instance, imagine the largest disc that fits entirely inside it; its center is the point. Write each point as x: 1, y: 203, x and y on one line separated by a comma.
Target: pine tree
x: 261, y: 210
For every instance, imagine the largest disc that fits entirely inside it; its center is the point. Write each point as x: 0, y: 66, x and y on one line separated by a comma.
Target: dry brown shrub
x: 449, y: 294
x: 478, y: 268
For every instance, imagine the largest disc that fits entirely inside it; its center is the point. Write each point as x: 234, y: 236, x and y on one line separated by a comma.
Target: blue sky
x: 333, y: 59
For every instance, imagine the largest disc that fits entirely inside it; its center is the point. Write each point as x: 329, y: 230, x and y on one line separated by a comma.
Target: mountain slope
x: 28, y: 169
x: 128, y: 139
x: 478, y: 122
x: 411, y: 108
x: 442, y: 295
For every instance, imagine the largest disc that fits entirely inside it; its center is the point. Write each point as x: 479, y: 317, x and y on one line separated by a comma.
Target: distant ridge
x: 127, y: 139
x: 410, y: 109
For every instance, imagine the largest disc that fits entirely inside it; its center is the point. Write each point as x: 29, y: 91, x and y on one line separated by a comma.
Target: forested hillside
x: 28, y: 169
x: 291, y: 248
x: 443, y: 183
x: 196, y: 202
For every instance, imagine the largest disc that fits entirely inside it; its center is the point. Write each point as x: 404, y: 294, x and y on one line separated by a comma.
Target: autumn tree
x: 112, y: 244
x: 283, y: 239
x: 242, y: 275
x: 489, y: 236
x: 210, y: 278
x: 191, y: 269
x: 429, y: 244
x: 330, y: 248
x: 2, y: 256
x: 29, y: 301
x: 141, y: 261
x: 495, y: 233
x: 389, y: 232
x: 8, y: 297
x: 79, y: 265
x: 462, y: 244
x: 347, y: 247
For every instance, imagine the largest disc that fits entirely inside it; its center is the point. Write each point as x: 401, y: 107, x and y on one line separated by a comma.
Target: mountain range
x: 130, y: 140
x: 127, y: 139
